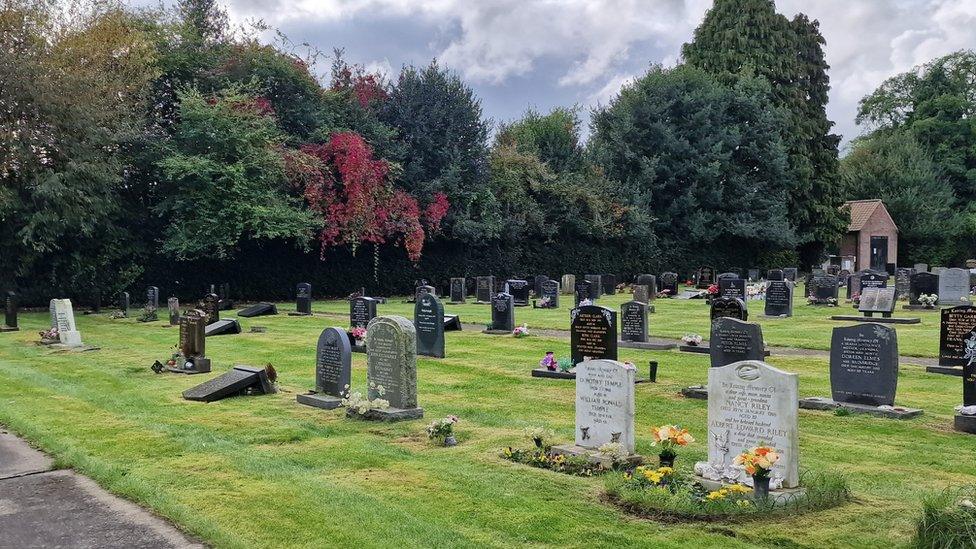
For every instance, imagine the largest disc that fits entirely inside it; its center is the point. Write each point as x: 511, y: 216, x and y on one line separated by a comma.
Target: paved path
x: 41, y: 507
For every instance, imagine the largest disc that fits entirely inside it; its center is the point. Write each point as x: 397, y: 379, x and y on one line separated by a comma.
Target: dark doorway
x: 879, y: 253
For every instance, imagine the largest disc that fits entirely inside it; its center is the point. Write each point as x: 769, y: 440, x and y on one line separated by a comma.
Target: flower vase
x: 666, y: 460
x: 760, y: 487
x: 449, y: 440
x: 538, y: 442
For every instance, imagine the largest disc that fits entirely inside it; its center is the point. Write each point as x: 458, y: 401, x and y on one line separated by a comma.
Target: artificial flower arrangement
x: 585, y: 302
x: 758, y: 463
x: 928, y: 300
x: 565, y: 364
x: 545, y: 303
x: 49, y: 336
x: 549, y: 361
x: 443, y: 430
x: 712, y: 289
x: 521, y: 331
x: 692, y: 340
x: 359, y: 404
x: 358, y: 333
x: 664, y: 294
x: 856, y: 298
x: 670, y: 437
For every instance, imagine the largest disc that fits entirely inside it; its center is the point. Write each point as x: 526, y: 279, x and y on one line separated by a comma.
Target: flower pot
x: 760, y: 487
x: 538, y: 442
x: 450, y: 441
x: 666, y: 460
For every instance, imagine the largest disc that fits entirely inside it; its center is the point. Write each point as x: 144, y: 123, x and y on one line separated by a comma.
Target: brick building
x: 872, y: 236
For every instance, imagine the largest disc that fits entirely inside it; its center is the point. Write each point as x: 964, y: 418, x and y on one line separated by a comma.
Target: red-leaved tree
x: 351, y: 191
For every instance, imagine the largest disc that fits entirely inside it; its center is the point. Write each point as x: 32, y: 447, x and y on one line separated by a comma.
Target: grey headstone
x: 391, y: 370
x: 954, y: 287
x: 789, y: 273
x: 642, y: 293
x: 605, y: 404
x: 864, y: 364
x: 173, y: 305
x: 921, y: 268
x: 568, y: 283
x: 124, y: 303
x: 650, y: 281
x: 877, y: 300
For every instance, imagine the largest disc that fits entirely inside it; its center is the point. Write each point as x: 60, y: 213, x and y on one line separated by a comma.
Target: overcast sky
x: 544, y: 53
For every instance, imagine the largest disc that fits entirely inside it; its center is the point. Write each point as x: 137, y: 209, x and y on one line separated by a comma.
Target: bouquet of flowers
x: 49, y: 335
x: 549, y: 361
x: 664, y: 294
x: 670, y: 437
x: 521, y: 331
x: 441, y: 428
x: 713, y: 289
x: 758, y: 462
x: 359, y: 333
x: 692, y: 340
x: 928, y: 300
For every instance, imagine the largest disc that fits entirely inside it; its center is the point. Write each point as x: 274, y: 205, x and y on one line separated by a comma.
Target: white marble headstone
x: 751, y: 403
x: 605, y: 404
x: 65, y: 317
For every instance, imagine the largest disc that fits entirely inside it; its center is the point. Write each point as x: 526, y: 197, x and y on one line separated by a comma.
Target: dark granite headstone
x: 596, y: 286
x: 239, y: 381
x: 903, y: 283
x: 361, y: 311
x: 519, y: 289
x: 224, y: 301
x: 774, y: 274
x: 969, y: 379
x: 824, y: 287
x: 422, y: 290
x: 730, y: 307
x: 650, y: 281
x: 259, y: 309
x: 957, y: 336
x: 303, y: 298
x: 10, y: 312
x: 124, y: 303
x: 537, y: 281
x: 733, y: 340
x: 922, y: 283
x: 669, y: 282
x: 550, y: 293
x: 732, y: 287
x: 789, y: 273
x: 864, y: 364
x: 211, y: 307
x: 458, y: 293
x: 485, y: 288
x: 503, y: 312
x: 391, y: 369
x: 173, y: 305
x: 877, y: 300
x: 779, y: 298
x: 705, y: 277
x: 223, y: 327
x: 753, y: 275
x: 633, y: 321
x: 428, y: 320
x: 871, y: 279
x: 583, y: 291
x: 333, y: 367
x: 152, y: 298
x: 592, y: 333
x: 608, y: 284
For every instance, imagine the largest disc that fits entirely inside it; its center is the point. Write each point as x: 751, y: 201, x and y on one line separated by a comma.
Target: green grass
x: 267, y: 472
x: 948, y: 520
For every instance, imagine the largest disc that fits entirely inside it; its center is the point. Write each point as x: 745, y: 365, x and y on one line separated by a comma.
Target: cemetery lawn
x: 267, y: 472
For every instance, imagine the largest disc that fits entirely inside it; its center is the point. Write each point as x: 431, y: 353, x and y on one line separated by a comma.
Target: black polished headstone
x: 583, y: 291
x: 923, y: 283
x: 608, y: 284
x: 503, y: 312
x: 361, y: 311
x: 592, y: 333
x: 485, y: 288
x: 223, y: 327
x: 596, y: 286
x: 458, y: 293
x: 789, y: 273
x: 633, y: 321
x: 550, y: 292
x: 774, y: 274
x: 124, y: 303
x: 730, y: 307
x: 705, y: 277
x: 823, y: 288
x: 537, y: 281
x: 753, y: 275
x: 871, y: 279
x: 669, y: 283
x: 732, y: 287
x: 779, y: 298
x: 733, y: 340
x: 957, y: 336
x: 864, y: 364
x: 333, y: 362
x: 519, y: 290
x: 239, y: 381
x: 10, y: 312
x: 303, y: 298
x: 428, y: 319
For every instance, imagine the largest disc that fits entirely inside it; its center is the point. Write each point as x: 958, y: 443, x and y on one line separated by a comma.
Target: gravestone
x: 484, y: 288
x: 956, y: 331
x: 10, y: 313
x: 922, y: 283
x: 751, y: 403
x: 727, y: 275
x: 239, y: 381
x: 921, y: 268
x: 954, y: 287
x: 608, y: 284
x: 642, y: 293
x: 228, y: 326
x: 519, y: 290
x: 423, y: 289
x: 753, y: 275
x: 596, y: 286
x: 605, y: 404
x: 211, y: 307
x: 864, y: 365
x: 391, y: 367
x: 903, y: 283
x: 937, y: 270
x: 650, y: 281
x: 705, y: 277
x: 779, y: 298
x: 124, y: 303
x: 871, y: 279
x: 789, y: 273
x: 774, y: 274
x: 583, y: 291
x: 333, y: 367
x: 550, y: 293
x: 303, y: 298
x: 428, y: 320
x: 64, y: 317
x: 537, y: 281
x: 669, y: 283
x: 152, y: 298
x: 733, y: 340
x: 193, y: 344
x: 258, y: 309
x: 825, y: 287
x: 592, y: 333
x: 568, y: 284
x: 503, y: 313
x: 361, y: 310
x: 173, y: 304
x: 458, y: 290
x: 877, y: 300
x: 730, y: 307
x: 732, y: 288
x: 633, y: 321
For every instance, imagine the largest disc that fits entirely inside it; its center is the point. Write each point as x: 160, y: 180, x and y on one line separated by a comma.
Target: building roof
x: 861, y: 212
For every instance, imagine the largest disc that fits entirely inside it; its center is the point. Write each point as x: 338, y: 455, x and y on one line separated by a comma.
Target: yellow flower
x: 716, y: 495
x: 665, y: 470
x: 743, y: 503
x: 739, y: 489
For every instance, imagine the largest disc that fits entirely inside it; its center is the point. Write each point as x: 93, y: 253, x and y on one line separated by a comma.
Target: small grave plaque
x: 592, y: 333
